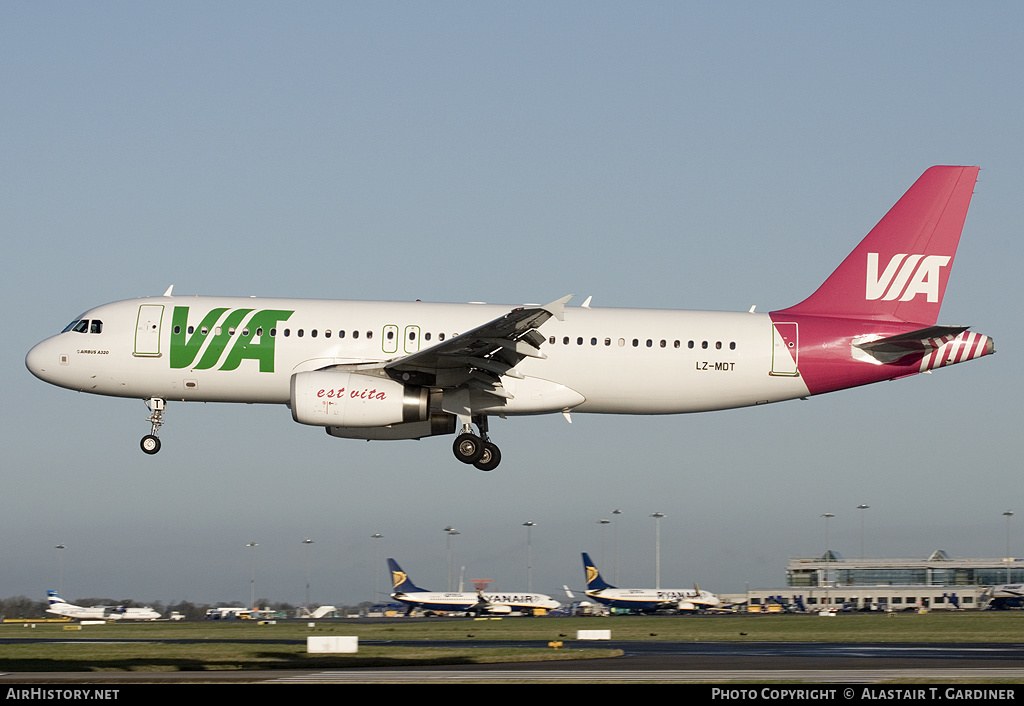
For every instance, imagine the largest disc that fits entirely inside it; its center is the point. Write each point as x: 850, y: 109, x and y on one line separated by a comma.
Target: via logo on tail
x: 410, y: 370
x: 905, y: 277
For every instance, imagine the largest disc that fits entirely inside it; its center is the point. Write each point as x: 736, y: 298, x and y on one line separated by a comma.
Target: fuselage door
x: 785, y: 349
x: 147, y: 330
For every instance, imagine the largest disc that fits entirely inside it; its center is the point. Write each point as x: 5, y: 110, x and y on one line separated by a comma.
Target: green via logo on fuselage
x: 228, y: 335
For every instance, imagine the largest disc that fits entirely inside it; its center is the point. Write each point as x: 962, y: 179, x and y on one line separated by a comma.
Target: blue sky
x: 661, y: 154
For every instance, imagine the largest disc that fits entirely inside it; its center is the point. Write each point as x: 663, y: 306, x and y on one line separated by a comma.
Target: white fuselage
x: 461, y: 601
x: 102, y: 612
x: 651, y: 598
x: 615, y: 361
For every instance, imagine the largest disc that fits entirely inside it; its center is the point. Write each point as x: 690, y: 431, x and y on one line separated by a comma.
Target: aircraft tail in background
x: 594, y: 580
x: 400, y: 581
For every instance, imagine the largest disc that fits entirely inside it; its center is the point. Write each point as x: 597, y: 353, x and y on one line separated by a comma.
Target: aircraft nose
x: 41, y: 360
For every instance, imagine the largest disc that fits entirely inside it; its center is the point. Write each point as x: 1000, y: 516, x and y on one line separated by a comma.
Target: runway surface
x: 644, y: 662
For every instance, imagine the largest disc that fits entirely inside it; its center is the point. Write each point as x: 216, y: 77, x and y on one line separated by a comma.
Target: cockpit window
x: 84, y: 326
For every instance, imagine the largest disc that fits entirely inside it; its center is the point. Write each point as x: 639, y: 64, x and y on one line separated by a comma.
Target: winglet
x: 168, y: 292
x: 557, y: 307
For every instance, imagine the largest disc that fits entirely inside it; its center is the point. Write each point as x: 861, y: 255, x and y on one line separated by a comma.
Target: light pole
x: 603, y: 522
x: 862, y: 507
x: 309, y: 549
x: 376, y: 565
x: 657, y: 548
x: 828, y: 516
x: 60, y: 567
x: 450, y: 532
x: 252, y: 575
x: 616, y: 549
x: 529, y: 525
x: 1008, y: 514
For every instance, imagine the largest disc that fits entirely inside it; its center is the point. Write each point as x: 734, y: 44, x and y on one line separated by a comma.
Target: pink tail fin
x: 899, y: 271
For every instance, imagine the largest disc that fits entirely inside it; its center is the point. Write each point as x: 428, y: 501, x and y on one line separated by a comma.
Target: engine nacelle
x: 440, y: 423
x: 329, y: 398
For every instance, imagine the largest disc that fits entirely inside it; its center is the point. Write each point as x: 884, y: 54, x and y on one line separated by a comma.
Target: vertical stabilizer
x: 899, y: 271
x: 400, y: 580
x: 594, y: 580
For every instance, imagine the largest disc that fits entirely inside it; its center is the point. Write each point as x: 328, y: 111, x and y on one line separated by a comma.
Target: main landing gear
x: 151, y: 442
x: 476, y: 450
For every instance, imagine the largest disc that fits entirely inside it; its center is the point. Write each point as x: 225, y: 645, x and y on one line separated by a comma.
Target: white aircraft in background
x: 490, y: 602
x: 646, y: 600
x: 59, y: 606
x: 391, y: 370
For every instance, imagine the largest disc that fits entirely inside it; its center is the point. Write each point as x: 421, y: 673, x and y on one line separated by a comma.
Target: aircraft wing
x: 479, y: 358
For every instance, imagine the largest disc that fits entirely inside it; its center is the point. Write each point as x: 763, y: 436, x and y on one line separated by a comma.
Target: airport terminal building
x: 935, y: 582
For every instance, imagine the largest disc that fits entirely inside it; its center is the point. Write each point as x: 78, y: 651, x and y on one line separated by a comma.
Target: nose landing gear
x: 151, y: 442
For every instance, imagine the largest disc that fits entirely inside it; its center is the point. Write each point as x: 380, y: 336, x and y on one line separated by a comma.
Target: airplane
x: 59, y: 606
x: 405, y: 591
x: 646, y: 600
x: 392, y: 370
x: 1004, y: 596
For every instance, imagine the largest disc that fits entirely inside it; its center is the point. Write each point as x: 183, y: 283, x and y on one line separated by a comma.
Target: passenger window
x: 565, y: 340
x: 369, y: 334
x: 327, y: 333
x: 341, y: 333
x: 579, y: 341
x: 732, y: 346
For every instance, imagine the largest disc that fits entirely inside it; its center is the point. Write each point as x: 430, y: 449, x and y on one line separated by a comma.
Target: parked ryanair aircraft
x: 491, y: 602
x: 389, y: 370
x: 646, y: 600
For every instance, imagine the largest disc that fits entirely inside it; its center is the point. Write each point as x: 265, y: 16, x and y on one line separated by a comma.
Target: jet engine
x: 330, y: 398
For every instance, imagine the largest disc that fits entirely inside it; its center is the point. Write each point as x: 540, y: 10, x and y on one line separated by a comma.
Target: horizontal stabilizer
x: 936, y: 346
x: 925, y: 339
